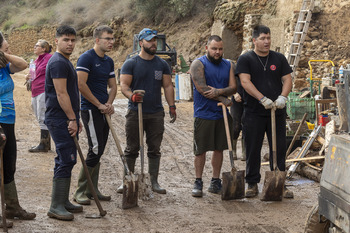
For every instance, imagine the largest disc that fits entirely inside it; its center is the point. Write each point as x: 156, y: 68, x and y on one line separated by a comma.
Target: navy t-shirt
x: 100, y: 70
x: 60, y: 67
x: 147, y: 75
x: 268, y: 82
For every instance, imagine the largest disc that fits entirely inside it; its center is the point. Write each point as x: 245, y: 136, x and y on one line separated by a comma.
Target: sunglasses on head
x: 150, y: 32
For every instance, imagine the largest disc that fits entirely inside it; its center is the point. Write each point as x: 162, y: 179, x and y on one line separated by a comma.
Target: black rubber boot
x: 94, y: 177
x: 80, y: 194
x: 59, y: 198
x: 13, y: 209
x: 153, y: 170
x: 45, y: 144
x: 131, y: 165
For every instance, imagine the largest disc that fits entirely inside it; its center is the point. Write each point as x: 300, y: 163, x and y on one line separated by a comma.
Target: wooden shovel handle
x: 273, y: 135
x: 88, y: 177
x: 227, y: 130
x: 139, y: 109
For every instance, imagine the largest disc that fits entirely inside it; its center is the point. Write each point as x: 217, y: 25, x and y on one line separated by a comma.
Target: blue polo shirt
x: 100, y: 70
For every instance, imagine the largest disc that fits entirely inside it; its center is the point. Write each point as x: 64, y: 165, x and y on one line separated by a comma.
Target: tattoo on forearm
x: 197, y: 76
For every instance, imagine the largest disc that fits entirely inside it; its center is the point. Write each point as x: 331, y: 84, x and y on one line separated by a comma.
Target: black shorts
x: 210, y: 135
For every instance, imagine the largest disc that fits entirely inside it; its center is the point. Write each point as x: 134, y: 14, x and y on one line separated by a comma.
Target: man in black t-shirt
x: 62, y: 120
x: 266, y: 78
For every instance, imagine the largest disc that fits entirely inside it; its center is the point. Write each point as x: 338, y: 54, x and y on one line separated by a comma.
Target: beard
x: 213, y: 60
x: 149, y: 51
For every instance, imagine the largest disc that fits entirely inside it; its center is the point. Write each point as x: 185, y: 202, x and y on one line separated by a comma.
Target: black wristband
x: 72, y: 119
x: 172, y: 106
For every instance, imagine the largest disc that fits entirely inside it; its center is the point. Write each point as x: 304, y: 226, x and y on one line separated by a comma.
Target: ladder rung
x: 304, y: 11
x: 298, y: 32
x: 296, y: 43
x: 303, y: 22
x: 293, y: 55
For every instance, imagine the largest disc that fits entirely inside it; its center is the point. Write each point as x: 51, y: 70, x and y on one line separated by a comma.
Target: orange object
x: 323, y: 119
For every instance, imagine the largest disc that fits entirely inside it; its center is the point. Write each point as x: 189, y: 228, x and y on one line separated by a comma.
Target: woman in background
x: 42, y: 49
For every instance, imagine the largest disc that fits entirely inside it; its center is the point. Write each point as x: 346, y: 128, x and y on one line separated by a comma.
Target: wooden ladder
x: 300, y: 32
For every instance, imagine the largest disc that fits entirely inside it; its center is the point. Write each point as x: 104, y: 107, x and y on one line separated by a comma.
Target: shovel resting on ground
x: 233, y: 181
x: 145, y: 190
x: 130, y: 181
x: 274, y: 180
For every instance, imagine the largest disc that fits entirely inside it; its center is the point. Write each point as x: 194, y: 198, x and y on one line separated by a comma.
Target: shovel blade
x: 273, y: 185
x: 130, y: 191
x: 233, y: 185
x: 145, y: 190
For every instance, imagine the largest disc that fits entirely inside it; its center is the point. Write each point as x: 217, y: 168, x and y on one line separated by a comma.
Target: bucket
x: 177, y: 88
x: 185, y: 87
x: 323, y: 119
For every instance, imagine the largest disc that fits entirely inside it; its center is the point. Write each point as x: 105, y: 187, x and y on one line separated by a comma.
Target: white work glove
x: 266, y: 102
x: 281, y: 102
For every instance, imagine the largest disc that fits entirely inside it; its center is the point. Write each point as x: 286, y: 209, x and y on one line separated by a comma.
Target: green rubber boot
x: 131, y: 166
x: 60, y: 186
x: 44, y: 145
x: 70, y: 206
x: 94, y: 178
x: 153, y: 170
x: 13, y: 209
x: 80, y: 194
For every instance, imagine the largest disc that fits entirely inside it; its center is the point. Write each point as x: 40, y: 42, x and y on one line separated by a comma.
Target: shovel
x: 130, y: 181
x: 233, y: 181
x: 145, y: 190
x: 274, y: 180
x: 90, y: 185
x: 2, y: 145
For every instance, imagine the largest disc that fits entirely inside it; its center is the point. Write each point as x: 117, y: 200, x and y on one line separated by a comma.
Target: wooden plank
x: 307, y: 159
x: 304, y: 94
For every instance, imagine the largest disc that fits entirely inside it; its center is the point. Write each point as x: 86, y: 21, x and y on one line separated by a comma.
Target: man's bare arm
x: 249, y: 86
x: 287, y: 84
x: 198, y: 78
x: 125, y: 82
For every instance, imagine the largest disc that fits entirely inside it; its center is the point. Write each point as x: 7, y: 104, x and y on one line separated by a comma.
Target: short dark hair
x: 214, y: 37
x: 101, y: 29
x: 65, y: 30
x: 260, y: 29
x: 1, y: 39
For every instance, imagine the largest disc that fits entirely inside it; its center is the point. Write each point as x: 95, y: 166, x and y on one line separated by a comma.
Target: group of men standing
x: 94, y: 77
x: 265, y: 77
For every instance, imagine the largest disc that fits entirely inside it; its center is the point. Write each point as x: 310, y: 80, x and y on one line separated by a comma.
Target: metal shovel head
x: 233, y: 185
x: 130, y: 191
x: 145, y: 189
x: 273, y: 185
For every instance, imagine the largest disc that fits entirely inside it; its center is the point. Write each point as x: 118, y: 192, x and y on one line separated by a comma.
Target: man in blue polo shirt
x: 95, y: 72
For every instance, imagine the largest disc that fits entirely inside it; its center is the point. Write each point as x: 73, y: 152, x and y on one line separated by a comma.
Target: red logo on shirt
x: 272, y: 67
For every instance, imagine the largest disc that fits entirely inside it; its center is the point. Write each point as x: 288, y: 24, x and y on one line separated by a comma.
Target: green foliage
x: 25, y: 26
x: 7, y: 25
x: 182, y: 7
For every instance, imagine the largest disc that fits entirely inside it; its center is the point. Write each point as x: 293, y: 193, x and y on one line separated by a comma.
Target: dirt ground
x: 177, y: 211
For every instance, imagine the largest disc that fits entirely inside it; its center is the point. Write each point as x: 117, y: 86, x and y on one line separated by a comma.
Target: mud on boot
x: 252, y: 190
x: 60, y: 192
x: 94, y: 177
x: 197, y: 190
x: 13, y: 209
x: 215, y: 186
x: 44, y: 145
x: 153, y: 169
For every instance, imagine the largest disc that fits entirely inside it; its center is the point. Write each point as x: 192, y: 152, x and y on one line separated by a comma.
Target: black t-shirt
x: 268, y: 82
x: 60, y: 67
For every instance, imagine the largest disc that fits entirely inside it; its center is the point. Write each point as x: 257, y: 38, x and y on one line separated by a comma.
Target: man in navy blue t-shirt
x: 150, y: 73
x: 95, y: 74
x: 62, y: 106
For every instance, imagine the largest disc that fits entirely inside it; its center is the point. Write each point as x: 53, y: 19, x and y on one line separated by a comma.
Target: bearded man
x: 214, y: 82
x: 150, y: 73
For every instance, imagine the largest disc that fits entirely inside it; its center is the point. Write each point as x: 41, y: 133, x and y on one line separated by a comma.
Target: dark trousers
x: 153, y: 126
x: 97, y: 131
x: 236, y: 113
x: 65, y: 147
x: 9, y: 153
x: 254, y: 129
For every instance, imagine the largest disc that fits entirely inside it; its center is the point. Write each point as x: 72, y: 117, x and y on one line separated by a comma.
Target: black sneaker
x: 197, y: 189
x: 252, y: 190
x: 215, y: 186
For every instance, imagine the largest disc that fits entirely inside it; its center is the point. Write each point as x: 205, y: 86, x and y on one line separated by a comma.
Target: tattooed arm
x: 198, y: 78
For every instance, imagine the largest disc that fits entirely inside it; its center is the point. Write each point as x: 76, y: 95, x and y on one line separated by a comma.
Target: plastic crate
x: 296, y: 107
